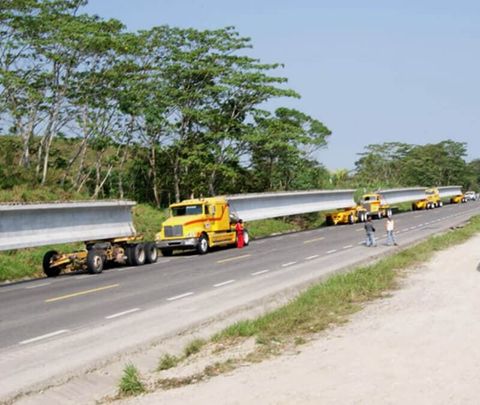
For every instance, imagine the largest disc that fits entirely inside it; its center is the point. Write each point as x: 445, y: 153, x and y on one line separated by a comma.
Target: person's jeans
x: 390, y: 238
x: 371, y: 239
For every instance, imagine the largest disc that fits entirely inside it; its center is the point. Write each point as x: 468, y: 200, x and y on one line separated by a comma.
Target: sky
x: 372, y: 71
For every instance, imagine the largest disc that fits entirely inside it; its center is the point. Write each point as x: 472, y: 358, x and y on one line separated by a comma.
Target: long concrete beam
x: 30, y: 225
x: 251, y: 207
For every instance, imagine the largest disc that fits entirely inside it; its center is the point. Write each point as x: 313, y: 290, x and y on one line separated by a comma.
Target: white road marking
x: 164, y: 261
x: 361, y: 243
x: 311, y: 257
x: 288, y: 264
x: 260, y: 272
x: 347, y: 247
x: 419, y: 225
x: 48, y: 335
x: 359, y: 230
x: 224, y: 283
x: 38, y: 285
x: 331, y: 251
x: 122, y: 313
x: 416, y: 216
x: 177, y: 297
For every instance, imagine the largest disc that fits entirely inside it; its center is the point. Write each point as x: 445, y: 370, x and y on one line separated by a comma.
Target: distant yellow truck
x: 198, y: 224
x: 432, y: 200
x: 371, y: 204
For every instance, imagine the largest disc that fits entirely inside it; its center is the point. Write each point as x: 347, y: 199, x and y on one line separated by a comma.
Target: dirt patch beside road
x: 418, y: 346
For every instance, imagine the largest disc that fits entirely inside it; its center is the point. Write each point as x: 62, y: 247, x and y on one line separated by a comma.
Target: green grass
x: 130, y: 383
x: 193, y: 347
x: 167, y: 361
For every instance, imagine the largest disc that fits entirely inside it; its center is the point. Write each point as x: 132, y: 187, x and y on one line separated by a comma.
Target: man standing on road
x: 390, y: 226
x: 370, y: 230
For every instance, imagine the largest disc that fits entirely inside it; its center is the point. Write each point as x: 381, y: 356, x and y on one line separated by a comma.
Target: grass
x: 321, y: 306
x: 167, y: 361
x: 130, y: 383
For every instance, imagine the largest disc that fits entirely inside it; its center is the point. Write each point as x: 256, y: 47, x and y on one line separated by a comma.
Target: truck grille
x: 171, y: 231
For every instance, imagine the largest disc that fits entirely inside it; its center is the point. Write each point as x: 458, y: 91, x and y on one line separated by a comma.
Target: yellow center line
x: 314, y: 240
x: 64, y: 297
x: 233, y: 258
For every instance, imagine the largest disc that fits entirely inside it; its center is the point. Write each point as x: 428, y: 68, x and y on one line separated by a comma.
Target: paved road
x: 52, y: 318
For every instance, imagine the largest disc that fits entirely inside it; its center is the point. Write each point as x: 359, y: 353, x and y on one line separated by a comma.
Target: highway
x: 94, y: 316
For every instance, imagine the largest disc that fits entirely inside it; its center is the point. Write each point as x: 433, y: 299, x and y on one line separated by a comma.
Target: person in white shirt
x: 390, y: 226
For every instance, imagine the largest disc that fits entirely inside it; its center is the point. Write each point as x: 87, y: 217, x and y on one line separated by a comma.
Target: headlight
x: 190, y: 235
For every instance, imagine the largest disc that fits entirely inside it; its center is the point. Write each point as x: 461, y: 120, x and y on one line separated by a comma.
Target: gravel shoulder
x: 416, y: 346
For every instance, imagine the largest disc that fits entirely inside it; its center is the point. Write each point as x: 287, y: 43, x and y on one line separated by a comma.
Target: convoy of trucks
x: 198, y: 224
x: 203, y: 223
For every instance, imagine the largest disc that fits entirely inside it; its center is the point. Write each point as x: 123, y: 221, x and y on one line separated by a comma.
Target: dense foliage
x: 155, y: 115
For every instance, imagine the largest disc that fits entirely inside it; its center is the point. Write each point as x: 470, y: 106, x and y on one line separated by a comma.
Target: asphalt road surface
x: 47, y: 318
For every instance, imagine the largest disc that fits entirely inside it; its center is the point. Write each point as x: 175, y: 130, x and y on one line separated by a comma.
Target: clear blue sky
x: 372, y: 71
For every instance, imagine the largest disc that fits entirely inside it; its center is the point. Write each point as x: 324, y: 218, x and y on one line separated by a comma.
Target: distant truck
x: 432, y: 200
x: 130, y: 250
x: 457, y: 199
x: 371, y: 204
x: 198, y: 224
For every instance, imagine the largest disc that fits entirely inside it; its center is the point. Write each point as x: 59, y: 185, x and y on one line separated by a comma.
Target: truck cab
x: 432, y: 200
x: 375, y: 205
x: 198, y: 224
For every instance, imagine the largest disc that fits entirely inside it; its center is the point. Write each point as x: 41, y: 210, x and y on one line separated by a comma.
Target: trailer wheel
x: 136, y: 254
x: 246, y: 237
x: 151, y: 253
x: 379, y: 215
x: 95, y: 261
x: 440, y: 204
x: 351, y: 219
x: 47, y: 264
x: 202, y: 246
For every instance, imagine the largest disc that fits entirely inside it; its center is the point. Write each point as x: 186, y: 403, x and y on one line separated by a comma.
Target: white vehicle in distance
x: 470, y: 196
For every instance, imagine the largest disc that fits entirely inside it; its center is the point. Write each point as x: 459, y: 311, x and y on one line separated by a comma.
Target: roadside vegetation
x: 131, y: 383
x: 318, y: 308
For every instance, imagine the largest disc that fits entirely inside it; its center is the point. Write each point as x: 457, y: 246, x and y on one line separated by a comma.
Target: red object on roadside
x: 239, y: 229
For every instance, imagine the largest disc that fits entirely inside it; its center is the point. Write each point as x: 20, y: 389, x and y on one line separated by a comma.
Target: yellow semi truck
x: 432, y: 200
x: 199, y: 224
x: 371, y: 204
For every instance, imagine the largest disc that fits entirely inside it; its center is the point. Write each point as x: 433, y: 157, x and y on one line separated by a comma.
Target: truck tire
x: 95, y: 261
x: 151, y: 253
x: 440, y: 204
x: 246, y: 237
x: 47, y: 264
x: 351, y: 219
x: 136, y: 255
x: 389, y: 213
x: 202, y: 246
x: 167, y: 252
x: 329, y: 221
x: 414, y: 207
x: 379, y: 215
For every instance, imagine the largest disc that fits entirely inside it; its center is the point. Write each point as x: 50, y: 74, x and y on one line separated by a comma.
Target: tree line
x: 161, y: 114
x: 149, y: 113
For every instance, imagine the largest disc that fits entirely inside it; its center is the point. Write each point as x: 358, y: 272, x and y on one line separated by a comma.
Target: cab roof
x: 193, y: 201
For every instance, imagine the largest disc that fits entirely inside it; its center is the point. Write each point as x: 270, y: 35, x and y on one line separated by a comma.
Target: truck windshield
x: 187, y: 210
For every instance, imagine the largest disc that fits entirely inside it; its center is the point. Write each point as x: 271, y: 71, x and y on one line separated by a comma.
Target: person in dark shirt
x: 370, y: 230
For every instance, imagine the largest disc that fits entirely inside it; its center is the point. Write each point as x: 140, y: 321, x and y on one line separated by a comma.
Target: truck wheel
x: 202, y: 246
x: 246, y: 237
x: 389, y: 212
x: 47, y: 264
x: 351, y: 219
x: 95, y: 261
x: 167, y: 252
x: 136, y: 254
x: 329, y: 221
x: 379, y: 215
x: 151, y: 253
x: 440, y: 203
x: 414, y: 207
